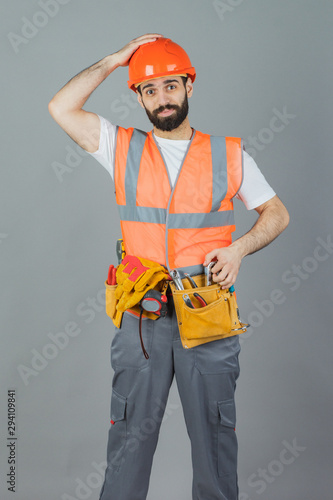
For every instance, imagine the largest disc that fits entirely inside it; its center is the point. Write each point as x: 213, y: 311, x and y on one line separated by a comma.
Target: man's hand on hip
x: 228, y: 262
x: 273, y: 219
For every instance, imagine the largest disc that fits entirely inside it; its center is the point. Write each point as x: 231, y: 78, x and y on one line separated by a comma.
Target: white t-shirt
x: 254, y: 190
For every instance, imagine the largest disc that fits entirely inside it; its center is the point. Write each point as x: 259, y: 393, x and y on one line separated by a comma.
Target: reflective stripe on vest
x: 176, y: 227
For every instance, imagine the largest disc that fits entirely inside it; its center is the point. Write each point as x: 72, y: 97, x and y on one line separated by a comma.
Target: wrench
x: 208, y: 273
x: 176, y: 279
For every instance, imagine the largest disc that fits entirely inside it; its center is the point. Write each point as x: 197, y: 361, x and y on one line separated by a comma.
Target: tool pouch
x: 127, y: 293
x: 111, y: 304
x: 219, y: 319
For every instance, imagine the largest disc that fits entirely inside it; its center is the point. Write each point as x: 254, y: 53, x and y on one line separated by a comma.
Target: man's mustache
x: 162, y: 108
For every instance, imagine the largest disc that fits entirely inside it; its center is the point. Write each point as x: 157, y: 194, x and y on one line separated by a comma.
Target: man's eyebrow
x: 147, y: 86
x: 166, y: 82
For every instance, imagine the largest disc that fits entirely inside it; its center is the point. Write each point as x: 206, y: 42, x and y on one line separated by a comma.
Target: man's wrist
x: 239, y: 247
x: 111, y: 62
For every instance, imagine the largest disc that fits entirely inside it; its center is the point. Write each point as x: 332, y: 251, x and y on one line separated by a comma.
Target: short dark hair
x: 184, y: 78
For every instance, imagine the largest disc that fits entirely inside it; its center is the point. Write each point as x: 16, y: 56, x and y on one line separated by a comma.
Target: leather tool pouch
x: 111, y: 304
x: 219, y: 319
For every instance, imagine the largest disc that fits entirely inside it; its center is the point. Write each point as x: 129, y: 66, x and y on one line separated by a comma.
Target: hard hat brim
x: 190, y: 72
x: 136, y: 85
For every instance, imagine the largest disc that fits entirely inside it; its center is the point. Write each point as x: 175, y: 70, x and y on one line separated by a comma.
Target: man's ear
x: 189, y: 87
x: 139, y: 98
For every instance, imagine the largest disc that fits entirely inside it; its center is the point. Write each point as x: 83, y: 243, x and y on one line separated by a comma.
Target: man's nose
x: 163, y: 99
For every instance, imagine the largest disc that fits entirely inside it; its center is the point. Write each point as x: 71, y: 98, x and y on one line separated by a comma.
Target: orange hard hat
x: 159, y: 58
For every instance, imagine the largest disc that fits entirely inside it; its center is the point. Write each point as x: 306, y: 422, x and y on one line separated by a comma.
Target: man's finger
x: 146, y: 39
x: 217, y: 267
x: 210, y: 256
x: 219, y: 278
x: 230, y: 281
x: 227, y: 284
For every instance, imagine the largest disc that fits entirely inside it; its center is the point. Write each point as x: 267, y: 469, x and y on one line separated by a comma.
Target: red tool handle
x: 110, y: 275
x: 114, y: 276
x: 200, y: 299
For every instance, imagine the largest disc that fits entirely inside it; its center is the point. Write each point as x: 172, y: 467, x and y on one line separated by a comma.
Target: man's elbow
x: 285, y: 218
x: 56, y: 107
x: 281, y: 212
x: 52, y: 108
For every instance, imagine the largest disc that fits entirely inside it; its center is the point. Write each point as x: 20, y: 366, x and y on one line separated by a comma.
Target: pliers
x: 174, y: 273
x: 200, y: 299
x: 188, y: 301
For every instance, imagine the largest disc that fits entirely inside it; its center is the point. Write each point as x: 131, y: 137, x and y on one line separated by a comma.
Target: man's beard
x: 168, y: 123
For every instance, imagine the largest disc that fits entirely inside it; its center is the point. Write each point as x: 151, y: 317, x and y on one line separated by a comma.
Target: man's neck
x: 183, y: 132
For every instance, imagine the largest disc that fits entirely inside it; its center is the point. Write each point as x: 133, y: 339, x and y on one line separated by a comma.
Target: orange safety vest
x: 176, y: 226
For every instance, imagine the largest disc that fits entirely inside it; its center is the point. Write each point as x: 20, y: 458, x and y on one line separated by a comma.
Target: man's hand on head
x: 123, y: 55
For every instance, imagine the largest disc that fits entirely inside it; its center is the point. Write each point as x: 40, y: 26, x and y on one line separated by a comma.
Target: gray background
x: 58, y: 233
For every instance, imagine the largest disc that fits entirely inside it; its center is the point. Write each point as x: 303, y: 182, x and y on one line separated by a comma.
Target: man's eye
x: 171, y: 87
x: 149, y: 92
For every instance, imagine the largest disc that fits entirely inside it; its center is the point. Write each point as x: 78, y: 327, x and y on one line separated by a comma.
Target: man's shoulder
x: 130, y: 130
x: 217, y: 137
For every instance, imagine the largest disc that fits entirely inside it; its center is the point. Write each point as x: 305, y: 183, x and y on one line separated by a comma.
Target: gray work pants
x: 206, y: 378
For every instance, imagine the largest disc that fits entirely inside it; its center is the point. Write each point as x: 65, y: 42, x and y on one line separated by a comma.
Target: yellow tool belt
x: 135, y: 276
x: 218, y: 319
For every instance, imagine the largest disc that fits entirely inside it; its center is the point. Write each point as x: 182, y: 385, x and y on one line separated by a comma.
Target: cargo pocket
x: 126, y: 351
x: 227, y: 440
x: 117, y: 432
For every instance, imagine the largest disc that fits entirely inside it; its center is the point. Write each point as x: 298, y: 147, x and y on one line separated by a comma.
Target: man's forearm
x: 75, y: 93
x: 270, y: 223
x: 273, y: 219
x: 66, y: 106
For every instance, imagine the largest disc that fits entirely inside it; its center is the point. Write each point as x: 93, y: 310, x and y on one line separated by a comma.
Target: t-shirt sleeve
x: 254, y: 190
x: 107, y: 144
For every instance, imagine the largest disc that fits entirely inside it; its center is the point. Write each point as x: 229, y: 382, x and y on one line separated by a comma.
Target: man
x: 169, y: 186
